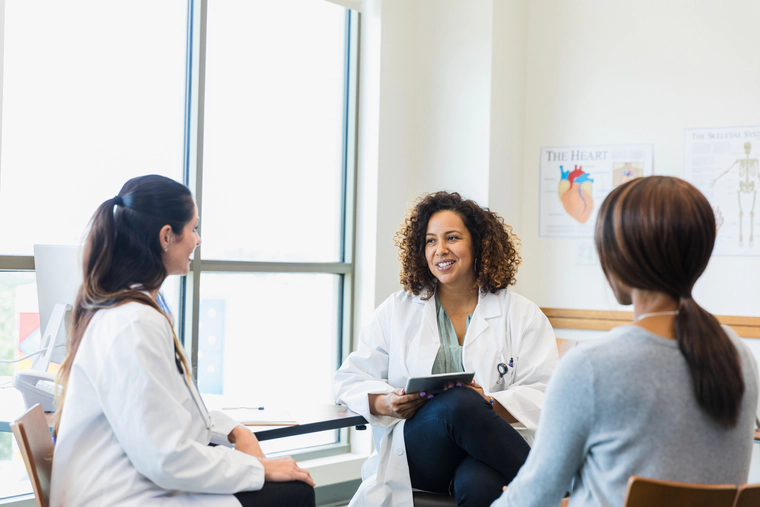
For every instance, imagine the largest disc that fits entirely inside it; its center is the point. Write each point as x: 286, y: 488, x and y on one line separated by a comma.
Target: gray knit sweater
x: 624, y: 405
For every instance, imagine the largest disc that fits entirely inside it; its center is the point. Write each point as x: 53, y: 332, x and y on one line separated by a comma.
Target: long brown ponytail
x: 657, y: 234
x: 122, y: 257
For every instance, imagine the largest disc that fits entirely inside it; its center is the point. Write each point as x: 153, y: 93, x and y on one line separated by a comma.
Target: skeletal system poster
x: 576, y: 179
x: 723, y: 163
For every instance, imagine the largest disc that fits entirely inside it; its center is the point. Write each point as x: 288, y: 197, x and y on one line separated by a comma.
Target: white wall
x: 507, y: 136
x: 425, y: 120
x: 601, y: 72
x: 452, y: 85
x: 462, y: 94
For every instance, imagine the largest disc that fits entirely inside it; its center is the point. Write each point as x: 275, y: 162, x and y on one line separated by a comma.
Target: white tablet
x: 437, y: 383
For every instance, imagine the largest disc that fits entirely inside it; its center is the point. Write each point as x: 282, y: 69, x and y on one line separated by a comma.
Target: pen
x: 242, y: 408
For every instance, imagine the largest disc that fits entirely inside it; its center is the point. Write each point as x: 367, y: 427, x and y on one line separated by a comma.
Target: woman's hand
x: 285, y: 469
x: 396, y: 403
x: 498, y: 407
x: 245, y: 441
x: 478, y: 389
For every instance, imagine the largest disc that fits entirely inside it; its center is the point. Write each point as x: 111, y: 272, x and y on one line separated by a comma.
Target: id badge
x: 506, y: 372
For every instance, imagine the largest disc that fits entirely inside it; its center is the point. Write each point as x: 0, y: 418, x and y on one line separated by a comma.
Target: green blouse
x: 449, y: 357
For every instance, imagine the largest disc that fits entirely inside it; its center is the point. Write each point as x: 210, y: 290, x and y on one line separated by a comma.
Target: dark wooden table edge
x: 302, y: 429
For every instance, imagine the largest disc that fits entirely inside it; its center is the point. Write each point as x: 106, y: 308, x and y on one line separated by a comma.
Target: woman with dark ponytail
x: 672, y: 396
x: 131, y: 427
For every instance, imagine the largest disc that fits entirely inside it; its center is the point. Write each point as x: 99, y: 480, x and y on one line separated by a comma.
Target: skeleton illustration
x: 748, y: 169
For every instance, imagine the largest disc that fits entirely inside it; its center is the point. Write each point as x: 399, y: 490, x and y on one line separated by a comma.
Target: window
x: 274, y: 123
x: 252, y: 105
x: 271, y: 281
x: 18, y: 322
x: 86, y: 104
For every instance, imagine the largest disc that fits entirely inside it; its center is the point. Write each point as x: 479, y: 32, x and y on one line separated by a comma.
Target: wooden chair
x: 644, y: 492
x: 427, y: 499
x: 748, y: 496
x: 33, y: 437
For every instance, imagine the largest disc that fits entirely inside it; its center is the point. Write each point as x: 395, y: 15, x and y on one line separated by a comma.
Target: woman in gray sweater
x: 672, y: 396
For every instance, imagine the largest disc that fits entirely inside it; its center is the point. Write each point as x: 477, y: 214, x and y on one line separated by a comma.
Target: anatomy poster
x: 723, y: 164
x: 576, y: 179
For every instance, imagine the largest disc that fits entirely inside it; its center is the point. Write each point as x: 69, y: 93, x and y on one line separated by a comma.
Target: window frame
x: 190, y: 285
x: 193, y: 169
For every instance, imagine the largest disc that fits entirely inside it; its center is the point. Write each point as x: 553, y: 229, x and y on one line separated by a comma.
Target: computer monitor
x: 59, y: 275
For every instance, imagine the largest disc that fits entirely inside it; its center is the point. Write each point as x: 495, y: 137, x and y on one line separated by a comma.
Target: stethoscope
x: 178, y: 361
x: 200, y: 406
x: 503, y: 369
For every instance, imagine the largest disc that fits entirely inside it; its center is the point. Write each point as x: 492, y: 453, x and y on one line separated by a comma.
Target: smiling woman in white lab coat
x: 132, y: 428
x: 454, y: 314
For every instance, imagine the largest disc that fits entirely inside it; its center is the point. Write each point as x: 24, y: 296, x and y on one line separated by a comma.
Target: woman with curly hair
x: 454, y: 314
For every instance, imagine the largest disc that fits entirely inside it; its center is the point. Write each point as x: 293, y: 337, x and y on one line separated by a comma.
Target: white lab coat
x: 133, y: 432
x: 402, y: 341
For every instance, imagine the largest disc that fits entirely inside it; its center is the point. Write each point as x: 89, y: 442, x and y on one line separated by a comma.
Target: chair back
x: 644, y: 492
x: 748, y: 496
x: 33, y: 437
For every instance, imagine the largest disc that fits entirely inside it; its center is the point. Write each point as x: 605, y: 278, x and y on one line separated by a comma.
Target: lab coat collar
x: 429, y: 314
x: 488, y: 308
x: 488, y: 303
x: 417, y: 298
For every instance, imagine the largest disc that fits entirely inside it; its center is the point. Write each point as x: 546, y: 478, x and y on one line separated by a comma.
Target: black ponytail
x: 123, y: 258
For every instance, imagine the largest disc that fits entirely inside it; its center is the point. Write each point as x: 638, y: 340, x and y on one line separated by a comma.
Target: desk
x: 311, y: 418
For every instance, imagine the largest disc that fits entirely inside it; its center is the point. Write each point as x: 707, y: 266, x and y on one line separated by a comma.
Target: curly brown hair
x: 495, y: 244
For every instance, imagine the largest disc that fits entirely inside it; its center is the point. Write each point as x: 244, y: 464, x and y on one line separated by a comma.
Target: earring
x: 476, y: 265
x: 166, y: 248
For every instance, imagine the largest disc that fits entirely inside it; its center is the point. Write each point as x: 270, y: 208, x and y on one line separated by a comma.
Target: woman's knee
x: 477, y: 484
x: 304, y: 494
x: 456, y: 403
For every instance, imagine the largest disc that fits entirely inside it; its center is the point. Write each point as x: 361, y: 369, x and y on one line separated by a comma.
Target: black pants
x: 456, y: 444
x: 279, y: 494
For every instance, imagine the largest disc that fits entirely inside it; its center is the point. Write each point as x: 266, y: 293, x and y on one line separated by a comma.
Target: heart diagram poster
x: 723, y: 163
x: 576, y: 179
